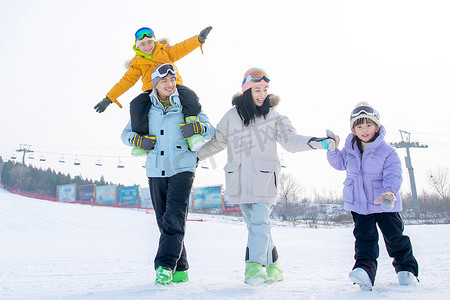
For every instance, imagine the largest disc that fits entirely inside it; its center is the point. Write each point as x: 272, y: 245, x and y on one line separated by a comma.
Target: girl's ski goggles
x: 144, y: 31
x: 165, y: 69
x: 363, y: 109
x: 256, y: 76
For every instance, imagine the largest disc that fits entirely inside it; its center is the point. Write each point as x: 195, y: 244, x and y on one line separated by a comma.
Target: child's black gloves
x: 102, y: 105
x: 203, y: 34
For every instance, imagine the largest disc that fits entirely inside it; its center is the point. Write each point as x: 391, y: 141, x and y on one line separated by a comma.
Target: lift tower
x: 406, y: 143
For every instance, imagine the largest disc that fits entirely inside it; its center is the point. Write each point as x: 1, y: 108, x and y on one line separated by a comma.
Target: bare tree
x: 288, y: 189
x: 288, y: 207
x: 439, y: 181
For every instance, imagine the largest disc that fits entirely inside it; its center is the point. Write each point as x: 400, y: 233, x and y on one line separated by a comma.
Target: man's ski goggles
x: 165, y: 70
x: 363, y: 109
x: 143, y: 32
x: 256, y: 76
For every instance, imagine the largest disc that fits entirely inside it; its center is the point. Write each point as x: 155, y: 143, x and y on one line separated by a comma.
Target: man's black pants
x: 170, y: 198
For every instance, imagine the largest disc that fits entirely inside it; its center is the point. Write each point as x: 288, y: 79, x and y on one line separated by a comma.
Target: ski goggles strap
x: 364, y: 109
x: 256, y: 76
x: 143, y: 32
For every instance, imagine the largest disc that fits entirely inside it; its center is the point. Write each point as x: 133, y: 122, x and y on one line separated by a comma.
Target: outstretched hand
x: 102, y: 105
x: 204, y: 34
x: 327, y: 143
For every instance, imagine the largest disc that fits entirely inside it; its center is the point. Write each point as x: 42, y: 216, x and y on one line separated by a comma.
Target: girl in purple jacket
x: 371, y: 194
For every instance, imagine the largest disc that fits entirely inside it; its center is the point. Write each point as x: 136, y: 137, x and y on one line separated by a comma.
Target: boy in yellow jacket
x: 149, y: 55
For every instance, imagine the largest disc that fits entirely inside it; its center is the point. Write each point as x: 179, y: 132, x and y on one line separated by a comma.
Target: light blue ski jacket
x: 171, y: 154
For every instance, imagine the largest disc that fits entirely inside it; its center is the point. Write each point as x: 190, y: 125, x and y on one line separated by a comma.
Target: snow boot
x: 163, y: 276
x: 274, y: 273
x: 136, y: 151
x: 196, y: 141
x: 361, y: 277
x: 254, y: 273
x: 405, y: 278
x: 180, y: 276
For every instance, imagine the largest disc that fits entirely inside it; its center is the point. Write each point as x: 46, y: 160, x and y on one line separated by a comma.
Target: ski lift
x: 13, y: 156
x: 282, y: 161
x: 31, y: 156
x: 61, y: 159
x: 99, y: 162
x: 76, y: 162
x: 203, y: 165
x: 120, y: 165
x: 42, y: 158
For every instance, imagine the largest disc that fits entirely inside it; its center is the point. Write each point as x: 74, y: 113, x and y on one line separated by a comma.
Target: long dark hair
x: 356, y: 140
x: 247, y: 109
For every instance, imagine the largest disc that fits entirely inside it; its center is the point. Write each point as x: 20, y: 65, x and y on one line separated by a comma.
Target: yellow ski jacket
x: 141, y: 67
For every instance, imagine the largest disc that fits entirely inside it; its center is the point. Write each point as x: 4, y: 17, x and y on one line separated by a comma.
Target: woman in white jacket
x: 250, y: 132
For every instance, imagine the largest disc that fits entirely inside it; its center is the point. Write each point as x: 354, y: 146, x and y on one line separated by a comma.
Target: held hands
x: 102, y: 105
x: 189, y: 129
x: 387, y: 200
x: 146, y: 142
x: 203, y: 34
x: 328, y: 143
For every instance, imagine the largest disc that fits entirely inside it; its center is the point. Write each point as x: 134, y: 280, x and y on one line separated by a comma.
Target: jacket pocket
x: 232, y: 180
x: 377, y: 190
x: 182, y: 158
x: 349, y: 187
x: 264, y: 183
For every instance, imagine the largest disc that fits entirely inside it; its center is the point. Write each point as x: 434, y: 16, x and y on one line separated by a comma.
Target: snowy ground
x: 69, y: 251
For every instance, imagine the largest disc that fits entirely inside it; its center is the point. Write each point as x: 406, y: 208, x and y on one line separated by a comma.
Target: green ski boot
x: 254, y: 273
x: 274, y: 273
x: 163, y: 276
x: 136, y: 151
x: 180, y: 276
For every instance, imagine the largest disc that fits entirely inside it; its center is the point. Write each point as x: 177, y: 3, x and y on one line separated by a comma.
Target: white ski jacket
x: 253, y: 166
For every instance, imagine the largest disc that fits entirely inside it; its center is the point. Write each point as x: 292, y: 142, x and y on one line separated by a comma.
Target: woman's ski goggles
x: 256, y: 76
x: 363, y: 109
x: 143, y: 32
x: 165, y: 70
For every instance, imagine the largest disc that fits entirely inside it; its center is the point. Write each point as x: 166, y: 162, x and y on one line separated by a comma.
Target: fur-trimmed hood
x: 273, y: 99
x: 161, y: 41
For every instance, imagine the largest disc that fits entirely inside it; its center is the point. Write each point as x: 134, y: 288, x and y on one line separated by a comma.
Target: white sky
x: 59, y: 58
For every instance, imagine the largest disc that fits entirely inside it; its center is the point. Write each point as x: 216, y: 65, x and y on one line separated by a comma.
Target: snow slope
x: 69, y: 251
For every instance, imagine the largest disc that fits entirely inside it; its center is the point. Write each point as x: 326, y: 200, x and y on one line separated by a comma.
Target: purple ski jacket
x: 378, y: 171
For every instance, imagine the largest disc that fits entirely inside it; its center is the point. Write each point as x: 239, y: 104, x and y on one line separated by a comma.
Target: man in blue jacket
x: 170, y: 168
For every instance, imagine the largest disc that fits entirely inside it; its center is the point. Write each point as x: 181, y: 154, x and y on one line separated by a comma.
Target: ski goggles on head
x: 256, y: 76
x: 143, y: 32
x: 165, y: 70
x: 364, y: 109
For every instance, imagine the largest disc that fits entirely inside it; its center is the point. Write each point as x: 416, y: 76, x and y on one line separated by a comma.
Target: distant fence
x: 209, y: 198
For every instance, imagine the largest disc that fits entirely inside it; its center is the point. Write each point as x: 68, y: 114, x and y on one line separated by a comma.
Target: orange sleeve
x: 128, y: 80
x: 183, y: 48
